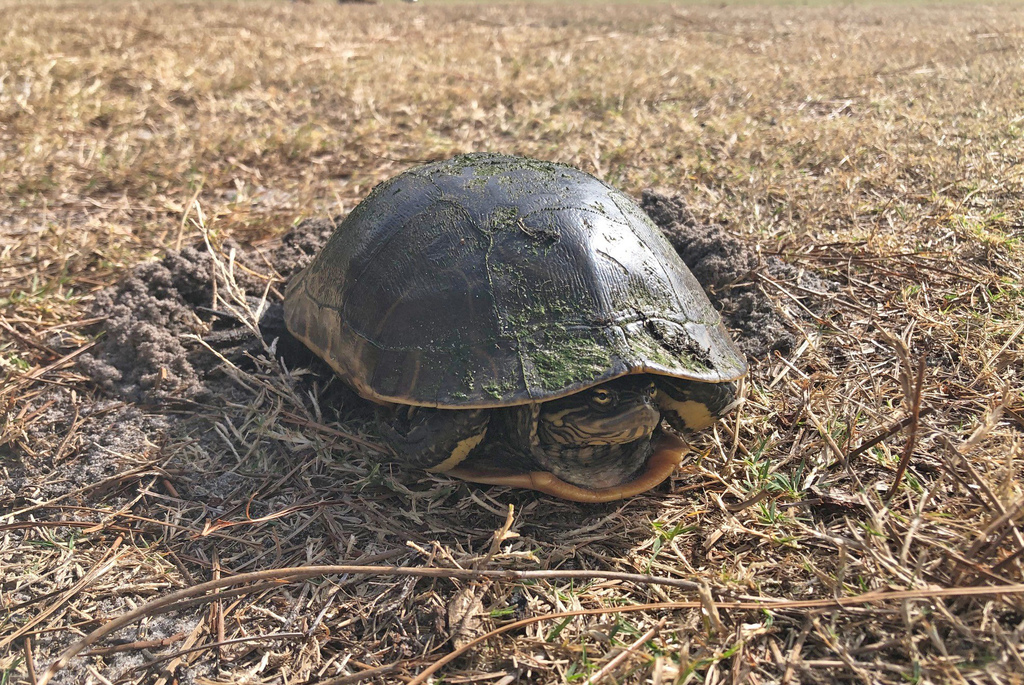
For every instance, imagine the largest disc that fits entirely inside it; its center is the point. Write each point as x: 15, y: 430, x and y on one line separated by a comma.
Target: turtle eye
x: 602, y: 397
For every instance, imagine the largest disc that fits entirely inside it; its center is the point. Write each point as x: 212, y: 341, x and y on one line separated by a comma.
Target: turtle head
x: 615, y: 413
x: 599, y: 437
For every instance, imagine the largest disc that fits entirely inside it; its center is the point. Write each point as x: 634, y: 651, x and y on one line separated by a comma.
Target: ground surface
x: 845, y: 181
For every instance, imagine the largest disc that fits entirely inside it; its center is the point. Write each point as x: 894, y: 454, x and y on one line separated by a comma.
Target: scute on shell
x: 488, y: 280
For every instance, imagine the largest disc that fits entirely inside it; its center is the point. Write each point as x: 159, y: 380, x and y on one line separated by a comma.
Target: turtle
x: 517, y: 321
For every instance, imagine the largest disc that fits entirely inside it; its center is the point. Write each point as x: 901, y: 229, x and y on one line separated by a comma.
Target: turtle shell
x: 488, y: 280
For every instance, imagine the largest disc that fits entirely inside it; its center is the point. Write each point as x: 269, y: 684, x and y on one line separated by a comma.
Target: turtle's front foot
x: 433, y: 439
x: 692, y: 405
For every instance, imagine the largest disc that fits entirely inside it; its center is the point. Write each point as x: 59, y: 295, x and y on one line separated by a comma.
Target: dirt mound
x: 144, y: 351
x: 727, y: 268
x: 149, y: 349
x: 299, y: 245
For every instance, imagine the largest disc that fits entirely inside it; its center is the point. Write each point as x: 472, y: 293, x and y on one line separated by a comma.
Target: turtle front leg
x: 692, y: 405
x: 436, y: 440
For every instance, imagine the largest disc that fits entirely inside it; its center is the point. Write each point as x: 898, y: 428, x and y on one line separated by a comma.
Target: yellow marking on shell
x: 384, y: 317
x: 694, y: 414
x: 416, y: 375
x: 459, y: 454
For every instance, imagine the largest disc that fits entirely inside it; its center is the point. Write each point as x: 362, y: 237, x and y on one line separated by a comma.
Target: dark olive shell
x: 488, y: 280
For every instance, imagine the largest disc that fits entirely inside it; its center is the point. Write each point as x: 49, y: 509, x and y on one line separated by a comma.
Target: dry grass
x: 879, y: 148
